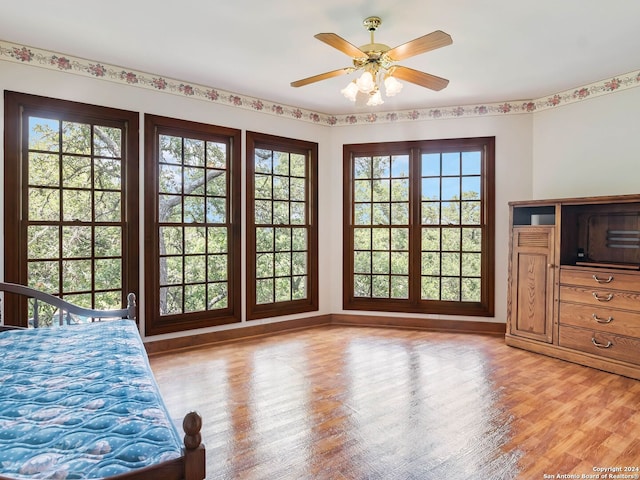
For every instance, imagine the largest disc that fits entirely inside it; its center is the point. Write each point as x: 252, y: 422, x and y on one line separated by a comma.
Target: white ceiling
x: 503, y: 50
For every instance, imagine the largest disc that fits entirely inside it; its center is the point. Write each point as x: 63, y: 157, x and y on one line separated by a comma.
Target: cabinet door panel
x: 532, y: 277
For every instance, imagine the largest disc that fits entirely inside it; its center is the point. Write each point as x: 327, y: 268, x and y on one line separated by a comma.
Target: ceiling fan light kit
x: 377, y: 63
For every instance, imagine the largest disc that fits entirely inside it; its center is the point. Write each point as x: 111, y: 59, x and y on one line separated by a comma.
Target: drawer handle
x: 602, y: 299
x: 601, y: 345
x: 601, y: 320
x: 602, y: 280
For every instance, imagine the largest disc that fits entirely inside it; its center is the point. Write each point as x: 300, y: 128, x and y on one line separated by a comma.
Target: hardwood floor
x: 375, y: 403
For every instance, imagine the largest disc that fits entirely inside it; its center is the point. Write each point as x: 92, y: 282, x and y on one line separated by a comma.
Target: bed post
x: 131, y: 307
x: 194, y: 454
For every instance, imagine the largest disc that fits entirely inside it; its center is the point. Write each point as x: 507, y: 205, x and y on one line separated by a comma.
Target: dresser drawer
x: 596, y: 278
x: 600, y: 297
x: 607, y: 345
x: 599, y: 318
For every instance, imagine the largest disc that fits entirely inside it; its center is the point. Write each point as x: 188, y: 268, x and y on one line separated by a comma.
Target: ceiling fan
x: 378, y: 64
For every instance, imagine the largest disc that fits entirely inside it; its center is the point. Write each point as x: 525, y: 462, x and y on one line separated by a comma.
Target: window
x: 192, y: 225
x: 282, y: 231
x: 71, y: 201
x: 418, y: 226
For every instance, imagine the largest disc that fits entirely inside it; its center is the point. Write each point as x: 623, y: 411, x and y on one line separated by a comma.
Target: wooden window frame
x: 255, y: 141
x: 414, y: 304
x: 17, y: 107
x: 155, y: 323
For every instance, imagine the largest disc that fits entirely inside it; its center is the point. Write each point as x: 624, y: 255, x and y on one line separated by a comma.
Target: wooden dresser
x: 574, y: 281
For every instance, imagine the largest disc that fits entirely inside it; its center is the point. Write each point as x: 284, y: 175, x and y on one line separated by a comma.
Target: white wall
x: 581, y: 149
x: 588, y: 148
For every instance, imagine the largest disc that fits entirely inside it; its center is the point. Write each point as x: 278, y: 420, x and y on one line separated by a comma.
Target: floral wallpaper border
x: 55, y: 61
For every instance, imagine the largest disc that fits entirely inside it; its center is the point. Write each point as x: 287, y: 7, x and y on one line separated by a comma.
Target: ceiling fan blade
x: 420, y: 45
x: 336, y: 41
x: 322, y: 76
x: 420, y: 78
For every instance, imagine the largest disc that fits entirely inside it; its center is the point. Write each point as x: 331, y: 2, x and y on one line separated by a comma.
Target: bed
x: 80, y: 401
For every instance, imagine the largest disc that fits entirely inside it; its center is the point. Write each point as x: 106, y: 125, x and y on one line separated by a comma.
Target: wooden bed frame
x: 191, y: 466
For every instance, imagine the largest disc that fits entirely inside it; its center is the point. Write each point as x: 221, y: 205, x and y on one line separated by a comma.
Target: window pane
x: 431, y: 164
x: 171, y: 241
x: 471, y: 188
x: 362, y: 214
x: 170, y: 149
x: 283, y: 239
x: 431, y: 263
x: 430, y: 213
x: 76, y: 138
x: 450, y: 239
x: 76, y: 171
x: 400, y: 190
x: 431, y: 239
x: 471, y: 163
x: 194, y: 210
x: 431, y: 288
x: 108, y: 206
x: 471, y: 213
x: 362, y: 285
x: 400, y: 263
x: 471, y: 239
x: 450, y: 264
x: 216, y: 183
x: 299, y: 239
x: 380, y: 286
x: 471, y: 290
x: 362, y: 191
x: 108, y: 275
x: 400, y: 239
x: 193, y: 152
x: 450, y: 289
x: 362, y: 262
x: 107, y: 174
x: 217, y: 268
x: 216, y: 155
x: 75, y: 204
x: 380, y: 237
x: 399, y: 287
x: 362, y: 238
x: 107, y: 141
x: 264, y: 291
x: 362, y: 167
x: 381, y: 190
x: 471, y: 264
x: 264, y: 239
x: 195, y: 299
x: 380, y: 262
x: 43, y: 241
x: 44, y: 169
x: 450, y: 164
x: 44, y: 134
x: 76, y: 242
x: 451, y: 188
x: 195, y: 240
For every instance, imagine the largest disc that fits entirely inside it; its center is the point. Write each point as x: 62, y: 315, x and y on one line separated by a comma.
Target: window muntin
x: 281, y: 226
x: 193, y: 259
x: 77, y: 164
x: 419, y: 226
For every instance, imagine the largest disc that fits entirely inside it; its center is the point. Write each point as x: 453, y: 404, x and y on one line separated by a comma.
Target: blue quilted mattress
x: 80, y: 402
